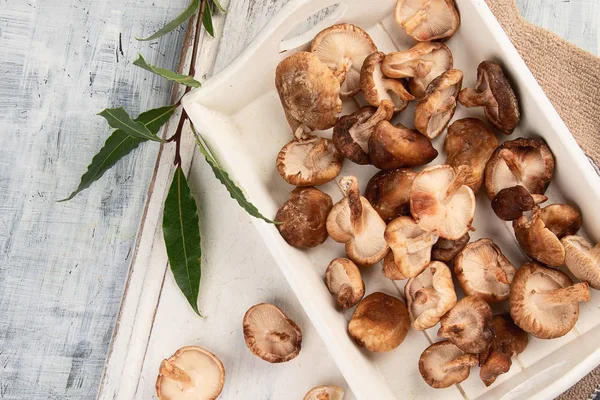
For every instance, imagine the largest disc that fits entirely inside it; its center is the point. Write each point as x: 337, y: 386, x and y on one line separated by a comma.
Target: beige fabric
x: 569, y: 75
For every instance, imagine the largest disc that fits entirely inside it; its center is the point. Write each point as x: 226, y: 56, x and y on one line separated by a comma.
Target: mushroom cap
x: 494, y: 93
x: 309, y: 161
x: 483, y: 271
x: 329, y: 392
x: 270, y: 334
x: 469, y: 142
x: 468, y: 325
x: 393, y: 147
x: 376, y: 87
x: 435, y: 110
x: 544, y: 301
x: 345, y: 282
x: 440, y: 202
x: 379, y: 323
x: 563, y: 220
x: 445, y: 250
x: 524, y: 161
x: 430, y: 295
x: 443, y: 364
x: 422, y: 63
x: 411, y: 247
x: 192, y: 373
x: 343, y: 48
x: 427, y: 20
x: 539, y: 242
x: 304, y: 217
x: 510, y: 203
x: 582, y: 259
x: 389, y: 192
x: 309, y: 92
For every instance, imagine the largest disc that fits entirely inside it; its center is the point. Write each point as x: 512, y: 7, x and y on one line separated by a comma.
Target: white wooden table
x: 63, y: 265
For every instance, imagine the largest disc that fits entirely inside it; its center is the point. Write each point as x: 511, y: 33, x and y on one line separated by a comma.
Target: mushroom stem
x: 495, y: 273
x: 278, y: 337
x: 539, y: 198
x: 466, y: 360
x: 459, y: 180
x: 578, y: 292
x: 422, y: 242
x: 301, y: 132
x: 470, y: 97
x: 426, y: 294
x: 172, y: 371
x: 315, y: 155
x: 349, y: 187
x: 414, y: 21
x: 511, y: 161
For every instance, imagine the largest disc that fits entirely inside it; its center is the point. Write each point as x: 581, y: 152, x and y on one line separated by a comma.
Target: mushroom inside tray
x: 376, y: 87
x: 468, y: 325
x: 427, y: 20
x: 344, y: 280
x: 389, y: 192
x: 443, y: 364
x: 539, y: 242
x: 583, y: 259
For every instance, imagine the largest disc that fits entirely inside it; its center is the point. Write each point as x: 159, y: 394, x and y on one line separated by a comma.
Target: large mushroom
x: 344, y: 280
x: 539, y: 242
x: 376, y: 87
x: 562, y: 219
x: 468, y: 325
x: 389, y: 192
x: 443, y: 364
x: 495, y: 94
x: 435, y: 110
x: 430, y: 295
x: 445, y: 250
x: 582, y: 259
x: 427, y: 20
x: 329, y: 392
x: 510, y: 203
x: 544, y: 301
x: 309, y: 92
x: 353, y: 221
x: 343, y: 48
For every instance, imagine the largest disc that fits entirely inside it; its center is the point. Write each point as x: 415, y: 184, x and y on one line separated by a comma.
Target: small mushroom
x: 343, y: 48
x: 345, y: 282
x: 393, y: 147
x: 524, y: 161
x: 510, y: 203
x: 509, y: 340
x: 427, y: 20
x: 422, y: 63
x: 309, y: 160
x: 582, y: 259
x: 435, y: 110
x: 376, y: 87
x: 483, y: 271
x: 468, y: 325
x: 469, y: 142
x: 329, y: 392
x: 443, y: 364
x: 379, y: 323
x: 544, y: 301
x: 539, y: 242
x: 309, y: 92
x: 304, y: 217
x: 445, y: 250
x: 563, y: 220
x: 354, y: 222
x: 440, y: 201
x: 270, y: 334
x: 190, y: 373
x: 389, y: 192
x: 351, y: 133
x: 410, y: 246
x: 430, y: 295
x: 494, y: 93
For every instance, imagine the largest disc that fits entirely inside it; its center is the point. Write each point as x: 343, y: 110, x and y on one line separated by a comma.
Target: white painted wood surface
x: 63, y: 266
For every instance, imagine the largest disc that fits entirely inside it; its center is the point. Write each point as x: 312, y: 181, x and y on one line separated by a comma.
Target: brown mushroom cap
x: 483, y: 271
x: 304, y: 217
x: 427, y: 20
x: 422, y: 63
x: 445, y: 250
x: 351, y: 133
x: 430, y: 295
x: 376, y: 87
x: 410, y: 246
x: 379, y: 323
x: 192, y: 373
x: 345, y: 282
x: 582, y: 259
x: 309, y: 92
x: 563, y: 220
x: 469, y: 142
x: 538, y: 241
x: 544, y: 301
x: 439, y: 201
x: 389, y: 192
x: 467, y: 325
x: 510, y: 203
x: 270, y: 334
x: 343, y: 48
x: 524, y: 161
x: 395, y: 147
x: 435, y: 110
x: 354, y: 222
x: 494, y: 93
x: 443, y: 364
x: 329, y: 392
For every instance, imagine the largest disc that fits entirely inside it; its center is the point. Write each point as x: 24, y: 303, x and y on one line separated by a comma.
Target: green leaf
x: 118, y: 118
x: 182, y: 237
x: 165, y: 73
x: 184, y: 16
x: 235, y: 192
x: 119, y: 144
x: 207, y: 20
x: 219, y: 6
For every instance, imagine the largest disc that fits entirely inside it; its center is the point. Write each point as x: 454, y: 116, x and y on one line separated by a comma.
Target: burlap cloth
x: 570, y: 77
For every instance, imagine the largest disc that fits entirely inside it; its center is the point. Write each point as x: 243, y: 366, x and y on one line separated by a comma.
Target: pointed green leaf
x: 219, y: 6
x: 184, y: 16
x: 118, y: 118
x: 207, y: 20
x: 165, y: 73
x: 182, y: 237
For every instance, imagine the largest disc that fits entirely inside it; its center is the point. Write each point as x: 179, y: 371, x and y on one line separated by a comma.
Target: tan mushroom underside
x: 330, y: 392
x: 427, y: 20
x: 582, y: 259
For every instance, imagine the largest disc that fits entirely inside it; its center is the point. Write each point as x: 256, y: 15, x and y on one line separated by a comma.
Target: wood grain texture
x: 63, y: 266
